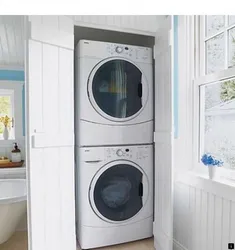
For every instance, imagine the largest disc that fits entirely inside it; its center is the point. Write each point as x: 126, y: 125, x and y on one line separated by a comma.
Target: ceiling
x: 11, y: 42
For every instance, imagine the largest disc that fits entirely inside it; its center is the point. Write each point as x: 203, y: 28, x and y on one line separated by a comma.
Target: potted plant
x: 212, y: 163
x: 6, y: 120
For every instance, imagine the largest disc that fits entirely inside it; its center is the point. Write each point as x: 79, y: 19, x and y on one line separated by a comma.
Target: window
x: 215, y: 89
x: 11, y: 104
x: 218, y: 120
x: 7, y: 109
x: 218, y: 38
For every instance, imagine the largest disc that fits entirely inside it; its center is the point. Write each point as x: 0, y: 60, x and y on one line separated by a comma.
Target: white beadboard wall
x: 130, y: 23
x: 202, y: 220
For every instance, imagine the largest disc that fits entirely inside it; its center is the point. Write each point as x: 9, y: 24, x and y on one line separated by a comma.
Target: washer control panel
x: 128, y: 152
x: 122, y: 152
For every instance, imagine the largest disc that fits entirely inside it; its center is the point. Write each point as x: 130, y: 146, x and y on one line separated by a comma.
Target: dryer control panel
x: 103, y: 50
x: 132, y: 52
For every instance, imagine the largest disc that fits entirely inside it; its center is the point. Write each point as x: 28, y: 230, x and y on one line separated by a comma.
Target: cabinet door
x: 163, y: 220
x: 50, y: 132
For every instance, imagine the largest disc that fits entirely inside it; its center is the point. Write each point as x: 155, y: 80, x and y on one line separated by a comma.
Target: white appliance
x: 114, y: 194
x: 114, y: 94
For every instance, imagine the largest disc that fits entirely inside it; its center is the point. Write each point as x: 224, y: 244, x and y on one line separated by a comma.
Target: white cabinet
x: 50, y: 133
x: 133, y: 24
x: 50, y: 129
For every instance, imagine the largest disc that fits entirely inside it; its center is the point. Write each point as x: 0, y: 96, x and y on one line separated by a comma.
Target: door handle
x: 95, y: 161
x: 141, y: 189
x: 140, y: 90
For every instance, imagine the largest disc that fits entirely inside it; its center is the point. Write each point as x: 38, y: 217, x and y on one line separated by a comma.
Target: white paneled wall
x: 130, y: 23
x: 202, y: 220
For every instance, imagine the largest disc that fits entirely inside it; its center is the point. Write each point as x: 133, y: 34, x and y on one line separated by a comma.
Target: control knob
x: 119, y: 49
x: 119, y: 152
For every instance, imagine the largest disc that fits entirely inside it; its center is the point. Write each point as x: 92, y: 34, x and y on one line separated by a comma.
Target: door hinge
x: 154, y: 136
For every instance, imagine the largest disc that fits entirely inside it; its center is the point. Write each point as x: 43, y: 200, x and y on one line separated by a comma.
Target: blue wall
x: 12, y: 75
x: 176, y: 78
x: 15, y: 75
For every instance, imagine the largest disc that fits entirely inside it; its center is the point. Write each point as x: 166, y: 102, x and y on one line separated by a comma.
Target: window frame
x: 200, y: 79
x: 17, y: 89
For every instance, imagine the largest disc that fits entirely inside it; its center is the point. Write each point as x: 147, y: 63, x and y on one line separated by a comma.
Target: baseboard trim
x: 178, y: 246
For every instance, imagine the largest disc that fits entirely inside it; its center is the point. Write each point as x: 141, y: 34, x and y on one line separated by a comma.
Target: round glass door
x: 118, y: 191
x: 117, y: 89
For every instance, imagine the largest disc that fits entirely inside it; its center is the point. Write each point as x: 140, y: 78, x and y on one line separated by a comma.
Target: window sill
x: 220, y: 186
x: 10, y: 141
x: 8, y: 173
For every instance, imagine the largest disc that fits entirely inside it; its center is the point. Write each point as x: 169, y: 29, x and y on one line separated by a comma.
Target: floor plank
x: 19, y: 241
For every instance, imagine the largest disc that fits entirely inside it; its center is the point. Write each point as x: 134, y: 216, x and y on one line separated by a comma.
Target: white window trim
x: 202, y: 79
x: 17, y: 87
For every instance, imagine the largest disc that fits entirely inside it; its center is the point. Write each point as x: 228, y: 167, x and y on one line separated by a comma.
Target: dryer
x: 114, y: 194
x: 114, y: 94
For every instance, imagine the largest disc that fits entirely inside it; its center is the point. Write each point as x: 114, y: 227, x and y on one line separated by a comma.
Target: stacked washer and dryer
x: 114, y: 136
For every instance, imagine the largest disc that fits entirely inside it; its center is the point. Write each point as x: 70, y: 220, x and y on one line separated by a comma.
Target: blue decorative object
x: 210, y: 160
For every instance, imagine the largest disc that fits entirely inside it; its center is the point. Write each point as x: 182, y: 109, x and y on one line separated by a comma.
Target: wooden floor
x: 19, y: 242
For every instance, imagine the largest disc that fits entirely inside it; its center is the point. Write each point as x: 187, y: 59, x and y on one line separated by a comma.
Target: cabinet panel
x: 138, y: 23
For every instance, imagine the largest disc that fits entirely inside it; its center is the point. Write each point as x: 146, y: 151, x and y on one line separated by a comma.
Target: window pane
x: 214, y: 24
x: 5, y: 109
x: 218, y: 121
x: 231, y: 50
x: 215, y: 54
x: 231, y: 20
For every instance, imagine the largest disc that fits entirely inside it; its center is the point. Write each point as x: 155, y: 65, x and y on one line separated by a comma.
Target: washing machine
x: 114, y: 194
x: 113, y: 94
